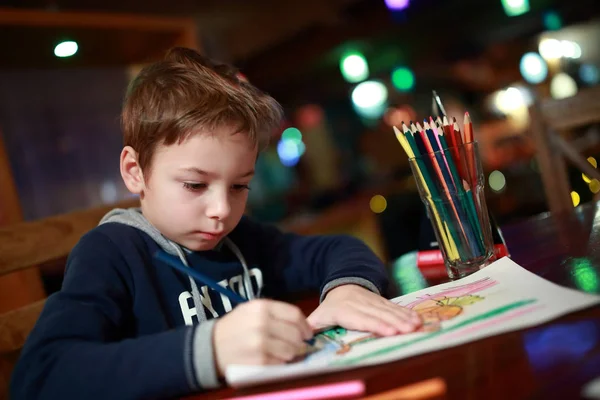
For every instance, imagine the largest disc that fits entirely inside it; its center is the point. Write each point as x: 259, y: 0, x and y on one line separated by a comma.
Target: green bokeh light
x: 354, y: 67
x: 552, y: 21
x: 403, y: 79
x: 292, y: 134
x: 513, y: 8
x: 585, y: 275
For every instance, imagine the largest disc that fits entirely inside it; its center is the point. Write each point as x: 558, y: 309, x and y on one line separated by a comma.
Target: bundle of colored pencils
x: 444, y: 164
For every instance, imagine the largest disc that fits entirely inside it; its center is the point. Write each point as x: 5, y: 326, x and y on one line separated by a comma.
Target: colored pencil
x: 469, y: 151
x: 444, y: 163
x: 430, y: 190
x: 346, y: 389
x: 468, y: 127
x: 176, y: 263
x: 463, y: 206
x: 446, y: 188
x: 428, y: 389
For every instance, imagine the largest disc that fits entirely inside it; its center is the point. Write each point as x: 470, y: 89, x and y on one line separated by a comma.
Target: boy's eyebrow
x: 202, y: 172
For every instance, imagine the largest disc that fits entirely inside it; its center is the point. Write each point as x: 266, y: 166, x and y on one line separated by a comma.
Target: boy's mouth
x: 209, y: 235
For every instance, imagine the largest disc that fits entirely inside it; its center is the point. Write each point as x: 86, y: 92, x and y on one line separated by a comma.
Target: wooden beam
x: 70, y: 19
x: 10, y: 208
x: 30, y: 243
x: 552, y: 165
x: 15, y: 325
x: 23, y: 287
x: 572, y: 112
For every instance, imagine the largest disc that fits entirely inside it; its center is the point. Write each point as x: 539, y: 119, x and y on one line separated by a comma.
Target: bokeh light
x: 397, y: 5
x: 585, y: 275
x: 570, y: 49
x: 310, y: 116
x: 66, y: 49
x: 594, y: 163
x: 369, y: 99
x: 292, y: 134
x: 589, y: 74
x: 594, y: 186
x: 403, y: 79
x: 513, y: 8
x: 550, y: 49
x: 394, y: 116
x: 509, y: 100
x: 378, y: 204
x: 576, y: 198
x: 354, y: 67
x: 497, y: 181
x: 562, y: 86
x: 290, y: 147
x: 552, y: 21
x: 533, y: 68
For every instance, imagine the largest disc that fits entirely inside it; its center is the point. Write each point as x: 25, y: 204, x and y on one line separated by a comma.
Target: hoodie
x: 127, y: 326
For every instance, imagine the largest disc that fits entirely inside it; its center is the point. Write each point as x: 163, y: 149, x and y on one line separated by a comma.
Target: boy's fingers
x: 413, y: 315
x: 362, y: 321
x: 292, y: 315
x: 399, y: 320
x: 287, y: 332
x: 281, y: 350
x: 403, y: 312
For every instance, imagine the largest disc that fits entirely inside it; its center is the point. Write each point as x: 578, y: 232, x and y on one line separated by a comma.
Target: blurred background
x: 345, y: 72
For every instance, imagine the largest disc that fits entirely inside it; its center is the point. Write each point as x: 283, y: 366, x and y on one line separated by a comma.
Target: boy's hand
x: 260, y: 332
x: 354, y: 307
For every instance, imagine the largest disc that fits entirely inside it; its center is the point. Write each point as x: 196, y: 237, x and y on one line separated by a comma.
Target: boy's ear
x: 130, y: 171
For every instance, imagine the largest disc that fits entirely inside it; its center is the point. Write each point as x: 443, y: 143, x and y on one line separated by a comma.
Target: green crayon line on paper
x: 490, y: 314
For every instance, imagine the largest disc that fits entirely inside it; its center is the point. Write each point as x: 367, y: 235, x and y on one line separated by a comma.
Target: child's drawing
x: 433, y: 309
x: 500, y: 298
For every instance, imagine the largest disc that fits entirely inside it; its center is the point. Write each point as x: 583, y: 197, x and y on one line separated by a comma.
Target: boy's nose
x: 218, y: 208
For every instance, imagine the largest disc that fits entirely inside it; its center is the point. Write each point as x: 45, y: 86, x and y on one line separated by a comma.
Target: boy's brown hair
x: 173, y: 98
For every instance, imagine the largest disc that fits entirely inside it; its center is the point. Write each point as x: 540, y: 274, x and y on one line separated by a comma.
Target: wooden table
x: 553, y: 360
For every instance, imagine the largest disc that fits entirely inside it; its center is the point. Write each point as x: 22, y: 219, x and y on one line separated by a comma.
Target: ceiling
x: 292, y: 48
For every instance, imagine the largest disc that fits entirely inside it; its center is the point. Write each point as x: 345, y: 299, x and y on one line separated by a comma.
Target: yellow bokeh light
x: 595, y: 186
x: 594, y: 163
x: 576, y: 199
x: 378, y: 204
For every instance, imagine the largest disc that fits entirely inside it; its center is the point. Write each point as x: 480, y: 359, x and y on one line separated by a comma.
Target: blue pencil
x: 176, y: 263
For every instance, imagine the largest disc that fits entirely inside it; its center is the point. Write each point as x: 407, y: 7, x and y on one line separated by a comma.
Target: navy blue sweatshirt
x: 123, y: 325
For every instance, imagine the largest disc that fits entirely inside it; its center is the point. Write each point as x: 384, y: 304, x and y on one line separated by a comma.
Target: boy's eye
x: 239, y: 188
x: 194, y: 186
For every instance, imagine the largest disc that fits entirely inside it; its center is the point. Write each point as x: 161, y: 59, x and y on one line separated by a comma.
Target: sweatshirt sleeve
x: 80, y: 347
x: 317, y: 262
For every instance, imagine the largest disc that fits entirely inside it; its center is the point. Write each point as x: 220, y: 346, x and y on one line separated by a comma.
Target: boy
x: 125, y: 325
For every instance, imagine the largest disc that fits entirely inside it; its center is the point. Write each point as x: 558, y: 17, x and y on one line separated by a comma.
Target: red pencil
x: 470, y: 152
x: 468, y: 127
x: 449, y: 135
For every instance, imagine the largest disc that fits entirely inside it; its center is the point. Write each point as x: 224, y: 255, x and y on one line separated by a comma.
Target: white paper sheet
x: 499, y: 298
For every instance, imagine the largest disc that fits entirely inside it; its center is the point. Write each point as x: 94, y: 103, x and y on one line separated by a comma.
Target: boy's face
x: 197, y: 190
